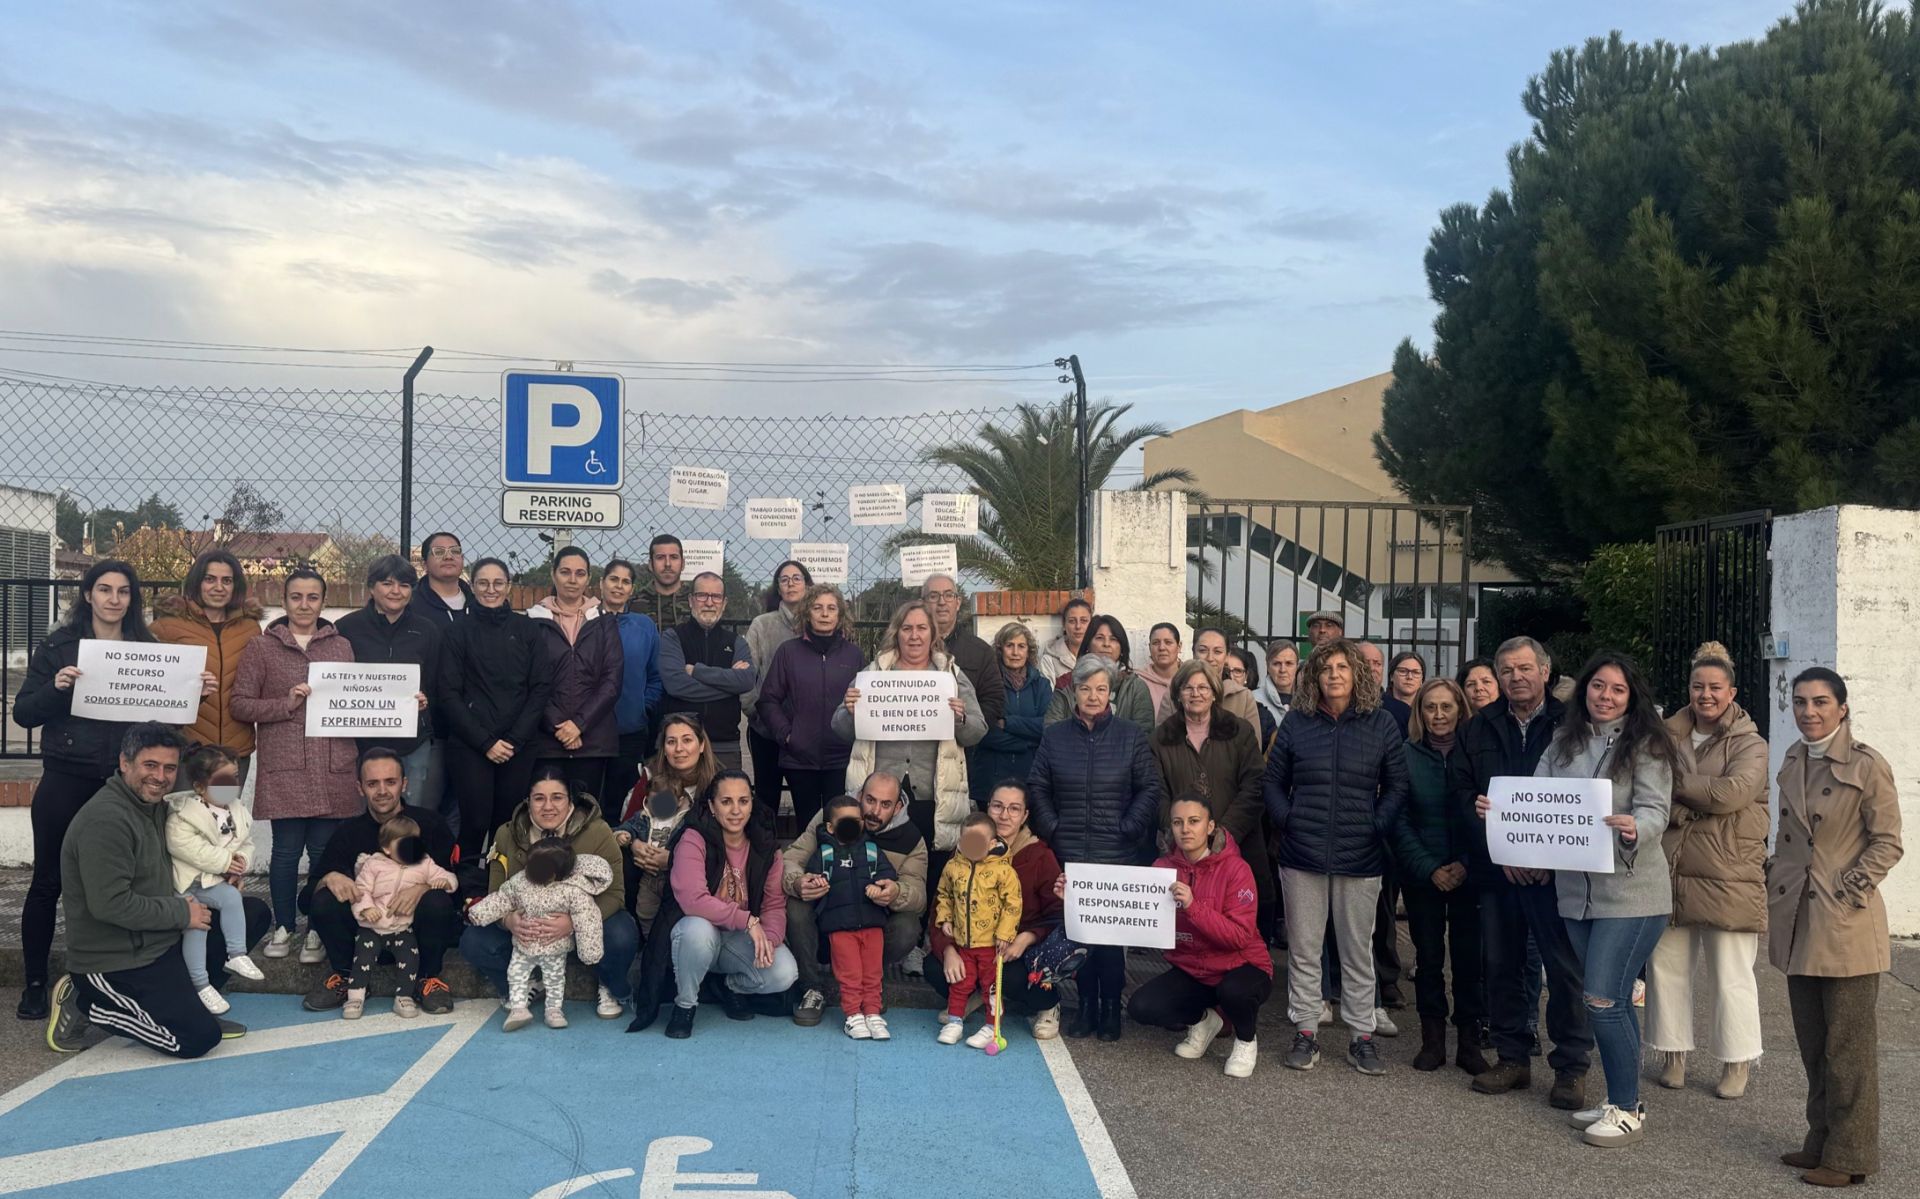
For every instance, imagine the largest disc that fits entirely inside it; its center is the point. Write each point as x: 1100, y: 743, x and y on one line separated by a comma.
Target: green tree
x: 1699, y: 293
x: 1027, y: 478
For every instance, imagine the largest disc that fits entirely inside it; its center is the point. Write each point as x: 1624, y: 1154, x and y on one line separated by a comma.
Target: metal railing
x: 1713, y: 582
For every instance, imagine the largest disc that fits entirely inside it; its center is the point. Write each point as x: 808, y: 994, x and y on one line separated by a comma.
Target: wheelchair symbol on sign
x: 662, y: 1178
x: 593, y: 465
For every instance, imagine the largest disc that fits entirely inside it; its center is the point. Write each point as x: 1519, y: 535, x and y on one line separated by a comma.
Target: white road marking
x: 1102, y: 1158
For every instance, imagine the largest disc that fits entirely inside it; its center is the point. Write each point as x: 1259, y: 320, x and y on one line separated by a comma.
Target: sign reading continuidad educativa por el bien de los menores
x: 1120, y: 905
x: 139, y: 680
x: 362, y: 700
x: 904, y: 705
x: 1550, y: 824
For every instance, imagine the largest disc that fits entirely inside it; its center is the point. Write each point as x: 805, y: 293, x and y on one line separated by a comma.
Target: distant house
x: 166, y: 552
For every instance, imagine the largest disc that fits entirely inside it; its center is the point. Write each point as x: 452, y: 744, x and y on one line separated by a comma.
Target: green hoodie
x: 117, y: 882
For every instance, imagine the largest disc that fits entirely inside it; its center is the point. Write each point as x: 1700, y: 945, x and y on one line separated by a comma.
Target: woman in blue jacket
x: 639, y: 680
x: 1007, y: 750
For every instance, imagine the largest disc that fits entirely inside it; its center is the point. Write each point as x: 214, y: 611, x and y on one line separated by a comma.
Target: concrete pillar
x: 1844, y: 598
x: 1140, y: 561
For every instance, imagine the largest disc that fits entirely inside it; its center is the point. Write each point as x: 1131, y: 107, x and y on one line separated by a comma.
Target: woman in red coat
x: 1219, y: 962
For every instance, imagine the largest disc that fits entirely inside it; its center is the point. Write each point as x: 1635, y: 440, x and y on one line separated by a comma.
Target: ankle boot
x: 1733, y: 1080
x: 1673, y: 1072
x: 1086, y: 1018
x: 1468, y: 1057
x: 1110, y: 1019
x: 1433, y: 1044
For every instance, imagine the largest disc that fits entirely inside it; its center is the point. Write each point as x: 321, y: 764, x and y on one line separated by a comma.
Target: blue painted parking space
x: 308, y: 1105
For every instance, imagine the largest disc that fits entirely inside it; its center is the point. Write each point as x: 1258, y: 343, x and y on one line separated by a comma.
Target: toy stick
x: 999, y: 1005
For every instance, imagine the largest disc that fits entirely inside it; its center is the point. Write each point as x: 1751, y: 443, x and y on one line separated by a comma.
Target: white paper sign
x: 919, y: 561
x: 138, y: 680
x: 772, y: 520
x: 1120, y: 905
x: 697, y: 487
x: 1550, y: 824
x: 904, y: 705
x: 701, y: 557
x: 826, y: 561
x: 950, y: 515
x: 877, y: 504
x: 362, y: 700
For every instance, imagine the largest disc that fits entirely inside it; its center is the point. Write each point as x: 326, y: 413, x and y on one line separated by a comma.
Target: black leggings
x: 623, y: 770
x: 488, y: 792
x: 1103, y: 976
x: 765, y: 753
x: 1177, y: 999
x: 56, y: 801
x: 811, y: 789
x: 588, y: 776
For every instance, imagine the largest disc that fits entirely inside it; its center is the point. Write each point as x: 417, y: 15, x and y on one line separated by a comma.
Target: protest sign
x: 771, y: 520
x: 877, y: 504
x: 919, y: 561
x: 1550, y: 824
x: 904, y: 705
x: 699, y: 557
x: 950, y: 515
x: 139, y: 680
x: 1120, y: 905
x: 826, y: 561
x: 697, y: 487
x: 362, y: 700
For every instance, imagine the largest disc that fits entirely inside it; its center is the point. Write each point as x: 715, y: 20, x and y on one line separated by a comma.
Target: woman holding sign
x: 214, y: 611
x: 1612, y: 731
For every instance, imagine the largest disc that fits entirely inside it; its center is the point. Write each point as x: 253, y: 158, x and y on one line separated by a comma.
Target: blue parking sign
x: 561, y: 429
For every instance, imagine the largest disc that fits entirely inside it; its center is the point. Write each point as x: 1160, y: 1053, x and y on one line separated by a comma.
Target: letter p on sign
x: 561, y: 430
x: 546, y: 404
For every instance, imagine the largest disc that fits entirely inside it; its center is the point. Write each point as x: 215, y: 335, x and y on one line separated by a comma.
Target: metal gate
x: 1713, y: 582
x: 1400, y: 574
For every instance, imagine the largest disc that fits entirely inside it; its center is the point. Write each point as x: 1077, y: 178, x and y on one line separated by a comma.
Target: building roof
x: 1325, y: 440
x: 250, y: 546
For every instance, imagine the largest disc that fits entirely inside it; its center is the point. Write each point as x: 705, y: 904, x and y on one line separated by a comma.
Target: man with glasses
x: 442, y: 596
x: 974, y: 657
x: 705, y: 669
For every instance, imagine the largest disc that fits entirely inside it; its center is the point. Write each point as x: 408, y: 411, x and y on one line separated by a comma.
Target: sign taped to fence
x: 139, y: 680
x: 904, y: 705
x: 826, y: 561
x: 950, y: 515
x: 362, y: 699
x: 877, y: 504
x: 697, y: 487
x: 698, y: 557
x: 771, y: 520
x: 1120, y: 905
x: 1550, y: 824
x: 919, y: 561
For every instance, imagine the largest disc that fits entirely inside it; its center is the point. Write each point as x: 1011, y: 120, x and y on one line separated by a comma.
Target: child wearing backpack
x: 849, y: 914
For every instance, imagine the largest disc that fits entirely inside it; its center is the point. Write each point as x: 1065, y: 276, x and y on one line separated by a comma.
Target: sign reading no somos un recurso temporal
x: 1120, y: 905
x: 138, y: 680
x: 1550, y: 824
x: 356, y: 700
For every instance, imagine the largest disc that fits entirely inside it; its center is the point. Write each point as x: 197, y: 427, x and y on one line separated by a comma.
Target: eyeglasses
x: 1409, y: 672
x: 444, y: 552
x: 943, y: 595
x: 703, y: 597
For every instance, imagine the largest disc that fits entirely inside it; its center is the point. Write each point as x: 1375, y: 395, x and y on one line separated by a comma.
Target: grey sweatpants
x: 1309, y: 899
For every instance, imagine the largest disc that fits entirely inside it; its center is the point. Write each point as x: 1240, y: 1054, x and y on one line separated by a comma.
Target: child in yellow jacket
x: 978, y: 906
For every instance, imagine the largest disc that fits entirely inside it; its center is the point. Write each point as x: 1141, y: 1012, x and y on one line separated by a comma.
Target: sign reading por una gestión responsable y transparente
x: 362, y: 700
x: 1120, y: 905
x: 1550, y: 824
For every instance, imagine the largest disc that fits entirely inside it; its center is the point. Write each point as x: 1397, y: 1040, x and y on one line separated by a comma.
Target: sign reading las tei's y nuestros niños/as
x: 363, y: 700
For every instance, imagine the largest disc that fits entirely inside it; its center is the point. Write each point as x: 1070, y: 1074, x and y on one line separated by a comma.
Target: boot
x: 1733, y: 1080
x: 1433, y: 1044
x: 1468, y: 1056
x: 1673, y: 1072
x: 1086, y: 1019
x: 1110, y: 1019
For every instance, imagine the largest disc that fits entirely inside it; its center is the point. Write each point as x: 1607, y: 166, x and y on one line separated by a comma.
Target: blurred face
x: 823, y: 614
x: 1016, y: 653
x: 733, y: 806
x: 1374, y: 661
x: 1192, y: 826
x: 1481, y: 687
x: 1319, y: 632
x: 1008, y: 808
x: 570, y: 576
x: 445, y: 559
x: 1103, y: 643
x: 1439, y: 712
x: 383, y: 784
x: 1090, y: 698
x: 709, y: 602
x: 1817, y: 711
x: 1282, y: 665
x: 681, y: 746
x: 667, y: 563
x: 1196, y: 697
x: 916, y: 637
x: 1711, y: 693
x: 616, y: 588
x: 490, y: 585
x: 391, y: 597
x: 1163, y: 649
x: 879, y: 803
x: 791, y: 584
x: 216, y: 589
x: 1407, y: 677
x: 1607, y: 694
x: 223, y: 787
x: 1336, y: 679
x: 943, y: 597
x: 304, y: 601
x: 1522, y: 678
x: 549, y: 805
x: 1075, y: 623
x: 1211, y: 648
x: 151, y: 772
x: 110, y: 597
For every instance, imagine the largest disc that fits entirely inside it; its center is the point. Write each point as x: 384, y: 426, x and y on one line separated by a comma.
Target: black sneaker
x: 1533, y: 1044
x: 810, y: 1009
x: 231, y: 1030
x: 327, y: 996
x: 680, y: 1024
x: 734, y: 1004
x: 1483, y: 1035
x: 436, y: 998
x: 67, y: 1025
x: 1363, y: 1055
x: 1305, y: 1054
x: 33, y: 1001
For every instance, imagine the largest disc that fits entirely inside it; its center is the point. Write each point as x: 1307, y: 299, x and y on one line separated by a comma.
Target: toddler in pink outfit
x: 378, y: 877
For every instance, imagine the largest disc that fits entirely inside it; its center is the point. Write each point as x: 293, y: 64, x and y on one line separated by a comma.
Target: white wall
x: 1844, y: 588
x: 1140, y: 561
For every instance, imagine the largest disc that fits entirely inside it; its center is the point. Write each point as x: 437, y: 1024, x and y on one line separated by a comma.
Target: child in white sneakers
x: 378, y: 877
x: 554, y: 880
x: 210, y: 839
x: 854, y: 921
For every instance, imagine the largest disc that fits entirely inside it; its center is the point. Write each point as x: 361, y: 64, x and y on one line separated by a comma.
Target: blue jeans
x: 1612, y: 953
x: 292, y: 836
x: 489, y: 948
x: 700, y: 947
x: 223, y: 898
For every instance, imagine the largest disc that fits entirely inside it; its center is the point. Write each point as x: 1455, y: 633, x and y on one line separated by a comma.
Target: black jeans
x: 1446, y: 924
x: 436, y: 925
x: 588, y: 776
x: 56, y: 801
x: 488, y: 792
x: 1178, y: 999
x: 154, y: 1004
x: 1507, y: 914
x: 1103, y: 976
x: 623, y: 771
x: 765, y: 754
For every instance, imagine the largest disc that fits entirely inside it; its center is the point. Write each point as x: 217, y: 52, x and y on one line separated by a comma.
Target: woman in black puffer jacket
x: 1335, y: 784
x: 1095, y: 791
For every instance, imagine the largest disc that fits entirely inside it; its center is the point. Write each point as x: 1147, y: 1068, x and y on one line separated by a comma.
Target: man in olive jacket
x: 124, y: 918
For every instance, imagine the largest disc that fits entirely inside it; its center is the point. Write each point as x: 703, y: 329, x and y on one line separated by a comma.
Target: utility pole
x: 406, y: 450
x: 1083, y: 524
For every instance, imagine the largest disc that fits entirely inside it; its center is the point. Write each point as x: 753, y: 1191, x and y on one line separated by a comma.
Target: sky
x: 1215, y: 205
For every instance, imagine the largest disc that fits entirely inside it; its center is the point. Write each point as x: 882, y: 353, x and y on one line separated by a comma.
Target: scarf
x: 1441, y: 745
x: 822, y: 645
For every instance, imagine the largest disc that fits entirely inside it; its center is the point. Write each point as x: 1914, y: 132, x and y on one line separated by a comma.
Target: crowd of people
x: 574, y: 790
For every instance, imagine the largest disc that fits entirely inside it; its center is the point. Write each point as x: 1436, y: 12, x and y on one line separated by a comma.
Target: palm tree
x: 1026, y: 477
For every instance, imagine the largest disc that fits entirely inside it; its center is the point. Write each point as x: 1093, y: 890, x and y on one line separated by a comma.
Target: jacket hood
x: 1734, y: 723
x: 898, y: 835
x: 543, y: 610
x: 591, y: 874
x: 423, y: 589
x: 181, y: 608
x: 1222, y: 848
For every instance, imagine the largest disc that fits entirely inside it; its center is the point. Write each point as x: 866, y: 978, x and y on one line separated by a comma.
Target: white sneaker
x: 556, y: 1018
x: 1199, y: 1036
x: 1383, y: 1025
x: 213, y: 1001
x: 609, y: 1008
x: 1639, y: 992
x: 982, y: 1038
x: 856, y: 1028
x: 1046, y: 1026
x: 877, y: 1028
x: 950, y: 1032
x: 1241, y: 1058
x: 1586, y: 1117
x: 280, y: 944
x: 1617, y: 1127
x: 312, y: 951
x: 1326, y: 1012
x: 244, y: 967
x: 517, y: 1018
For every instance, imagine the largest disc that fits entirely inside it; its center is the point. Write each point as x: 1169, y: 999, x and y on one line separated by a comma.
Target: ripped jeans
x: 1612, y: 951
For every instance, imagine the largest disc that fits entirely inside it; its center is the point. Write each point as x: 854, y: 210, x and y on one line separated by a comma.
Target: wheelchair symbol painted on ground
x: 662, y: 1178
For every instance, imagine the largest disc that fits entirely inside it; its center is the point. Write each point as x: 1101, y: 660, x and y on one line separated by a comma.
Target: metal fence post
x: 1083, y: 452
x: 406, y: 449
